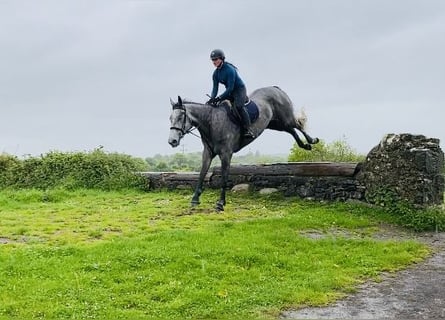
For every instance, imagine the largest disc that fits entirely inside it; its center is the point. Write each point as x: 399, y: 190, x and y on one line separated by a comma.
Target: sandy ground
x: 414, y: 293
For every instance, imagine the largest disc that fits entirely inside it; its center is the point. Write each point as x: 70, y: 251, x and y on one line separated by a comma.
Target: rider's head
x: 217, y: 56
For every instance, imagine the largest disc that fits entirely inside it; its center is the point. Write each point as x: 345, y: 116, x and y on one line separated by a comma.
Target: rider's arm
x: 230, y: 75
x: 215, y: 85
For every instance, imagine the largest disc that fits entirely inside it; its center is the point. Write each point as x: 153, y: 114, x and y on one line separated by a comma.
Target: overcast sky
x: 76, y: 75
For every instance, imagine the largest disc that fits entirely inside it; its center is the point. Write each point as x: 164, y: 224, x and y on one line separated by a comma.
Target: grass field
x: 133, y: 255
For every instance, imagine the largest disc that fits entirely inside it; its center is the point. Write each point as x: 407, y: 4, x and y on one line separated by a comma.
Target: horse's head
x: 180, y: 123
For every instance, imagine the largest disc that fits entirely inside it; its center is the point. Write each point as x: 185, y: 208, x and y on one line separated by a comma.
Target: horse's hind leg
x: 300, y: 143
x: 309, y: 139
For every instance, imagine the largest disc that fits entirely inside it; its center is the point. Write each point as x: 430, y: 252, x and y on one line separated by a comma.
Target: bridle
x: 181, y: 107
x: 178, y: 106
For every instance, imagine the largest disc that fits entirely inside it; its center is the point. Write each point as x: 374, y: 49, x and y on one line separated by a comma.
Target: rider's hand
x: 214, y: 101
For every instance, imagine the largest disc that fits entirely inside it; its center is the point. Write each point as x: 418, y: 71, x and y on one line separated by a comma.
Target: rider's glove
x: 214, y: 101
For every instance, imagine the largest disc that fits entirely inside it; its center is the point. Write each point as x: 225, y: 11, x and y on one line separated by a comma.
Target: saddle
x: 232, y: 113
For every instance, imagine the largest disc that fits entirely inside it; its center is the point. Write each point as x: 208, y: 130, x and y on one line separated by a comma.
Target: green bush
x: 337, y: 151
x: 7, y: 162
x: 419, y: 219
x: 93, y: 170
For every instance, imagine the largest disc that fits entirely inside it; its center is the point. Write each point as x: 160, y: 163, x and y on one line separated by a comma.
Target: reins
x: 192, y: 133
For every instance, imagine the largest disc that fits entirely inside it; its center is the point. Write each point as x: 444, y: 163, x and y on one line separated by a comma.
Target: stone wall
x: 319, y: 180
x: 411, y: 166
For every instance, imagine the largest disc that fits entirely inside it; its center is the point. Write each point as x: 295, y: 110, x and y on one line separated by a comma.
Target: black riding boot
x: 246, y: 123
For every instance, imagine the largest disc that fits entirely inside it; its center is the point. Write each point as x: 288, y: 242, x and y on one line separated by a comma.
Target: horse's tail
x: 301, y: 119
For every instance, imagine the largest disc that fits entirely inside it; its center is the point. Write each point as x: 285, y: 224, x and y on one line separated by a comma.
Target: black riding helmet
x: 217, y: 53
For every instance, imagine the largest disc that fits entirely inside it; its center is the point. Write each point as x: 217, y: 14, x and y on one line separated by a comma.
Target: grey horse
x: 222, y: 137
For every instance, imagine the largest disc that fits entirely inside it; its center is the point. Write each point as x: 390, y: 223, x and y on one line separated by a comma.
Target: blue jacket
x: 227, y: 74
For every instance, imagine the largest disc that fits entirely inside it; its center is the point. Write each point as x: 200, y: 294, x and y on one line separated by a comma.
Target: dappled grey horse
x: 222, y: 137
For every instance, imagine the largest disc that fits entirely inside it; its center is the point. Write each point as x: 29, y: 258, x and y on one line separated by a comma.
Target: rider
x: 227, y: 74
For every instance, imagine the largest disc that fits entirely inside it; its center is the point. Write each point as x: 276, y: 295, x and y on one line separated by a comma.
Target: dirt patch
x: 414, y: 293
x: 22, y: 239
x: 4, y: 240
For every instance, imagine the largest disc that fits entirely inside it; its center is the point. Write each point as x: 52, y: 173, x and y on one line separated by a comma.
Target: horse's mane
x: 187, y: 101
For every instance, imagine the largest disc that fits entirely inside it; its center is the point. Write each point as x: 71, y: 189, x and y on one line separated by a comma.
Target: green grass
x: 133, y: 255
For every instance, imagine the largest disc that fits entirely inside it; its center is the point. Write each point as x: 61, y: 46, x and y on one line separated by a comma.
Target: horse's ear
x: 172, y: 102
x: 179, y: 101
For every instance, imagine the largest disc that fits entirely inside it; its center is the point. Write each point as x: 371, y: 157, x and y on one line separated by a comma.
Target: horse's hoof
x: 219, y: 207
x: 307, y: 147
x: 194, y: 203
x: 315, y: 141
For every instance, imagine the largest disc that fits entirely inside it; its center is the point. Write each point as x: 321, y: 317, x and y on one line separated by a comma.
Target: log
x: 314, y: 169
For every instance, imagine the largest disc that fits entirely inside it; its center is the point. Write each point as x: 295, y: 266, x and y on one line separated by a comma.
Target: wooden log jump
x: 412, y: 166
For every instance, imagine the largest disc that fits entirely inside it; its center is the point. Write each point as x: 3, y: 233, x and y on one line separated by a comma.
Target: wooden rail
x: 257, y: 175
x: 304, y: 169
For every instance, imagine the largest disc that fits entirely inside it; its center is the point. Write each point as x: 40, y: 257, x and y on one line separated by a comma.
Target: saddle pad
x: 252, y: 110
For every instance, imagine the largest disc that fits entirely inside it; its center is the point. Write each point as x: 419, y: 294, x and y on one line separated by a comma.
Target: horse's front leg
x: 207, y: 158
x: 225, y: 168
